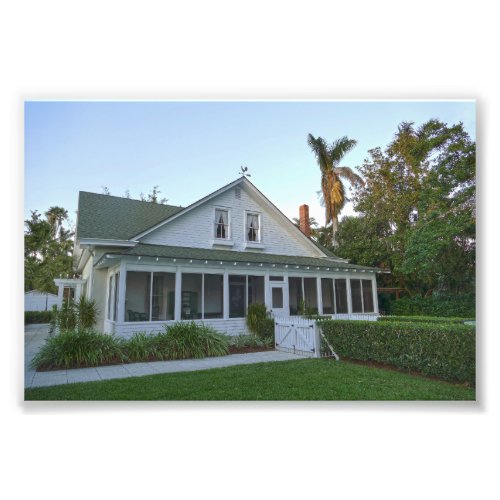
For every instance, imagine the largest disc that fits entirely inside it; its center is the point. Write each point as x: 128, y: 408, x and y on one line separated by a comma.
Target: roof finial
x: 243, y: 171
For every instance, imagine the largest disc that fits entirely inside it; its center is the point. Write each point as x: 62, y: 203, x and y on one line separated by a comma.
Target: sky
x: 190, y: 149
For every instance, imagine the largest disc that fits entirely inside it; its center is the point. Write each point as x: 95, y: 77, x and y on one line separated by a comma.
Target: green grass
x: 308, y: 379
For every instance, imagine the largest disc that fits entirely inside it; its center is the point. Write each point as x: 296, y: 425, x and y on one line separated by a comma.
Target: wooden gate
x: 297, y: 335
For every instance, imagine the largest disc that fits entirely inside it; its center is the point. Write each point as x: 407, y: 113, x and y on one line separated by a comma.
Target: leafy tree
x: 153, y: 196
x: 419, y: 201
x: 332, y: 187
x: 48, y: 249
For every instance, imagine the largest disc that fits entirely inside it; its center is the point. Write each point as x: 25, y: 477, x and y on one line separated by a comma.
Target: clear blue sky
x: 190, y: 149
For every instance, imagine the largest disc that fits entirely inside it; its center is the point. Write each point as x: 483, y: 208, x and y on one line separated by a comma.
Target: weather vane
x: 243, y: 171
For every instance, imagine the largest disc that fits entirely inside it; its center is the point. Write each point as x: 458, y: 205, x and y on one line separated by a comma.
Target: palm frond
x: 350, y: 175
x: 340, y: 148
x: 320, y: 150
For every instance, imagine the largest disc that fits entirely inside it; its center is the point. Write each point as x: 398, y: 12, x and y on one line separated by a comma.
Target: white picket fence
x: 297, y: 335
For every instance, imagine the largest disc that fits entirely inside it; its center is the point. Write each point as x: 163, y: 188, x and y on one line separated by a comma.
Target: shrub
x: 37, y: 317
x: 249, y: 341
x: 446, y: 351
x: 423, y: 319
x: 142, y: 347
x: 259, y: 321
x: 79, y: 315
x: 445, y: 305
x: 191, y: 340
x: 86, y: 312
x: 76, y: 349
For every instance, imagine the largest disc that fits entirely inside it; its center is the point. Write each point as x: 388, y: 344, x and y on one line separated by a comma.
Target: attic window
x: 221, y: 224
x: 253, y: 227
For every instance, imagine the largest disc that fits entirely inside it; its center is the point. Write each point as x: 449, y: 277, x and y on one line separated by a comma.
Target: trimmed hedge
x: 445, y: 305
x: 423, y: 319
x: 447, y: 351
x: 37, y: 317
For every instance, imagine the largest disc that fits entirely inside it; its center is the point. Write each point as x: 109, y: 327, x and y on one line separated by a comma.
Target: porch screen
x: 213, y: 286
x: 255, y: 289
x: 191, y: 296
x: 137, y: 296
x: 357, y: 304
x: 115, y: 306
x: 341, y: 296
x: 327, y: 295
x: 367, y: 296
x: 163, y: 297
x: 295, y: 295
x: 237, y: 296
x: 311, y: 294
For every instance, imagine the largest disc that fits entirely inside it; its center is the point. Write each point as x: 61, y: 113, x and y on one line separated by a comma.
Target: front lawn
x: 307, y: 379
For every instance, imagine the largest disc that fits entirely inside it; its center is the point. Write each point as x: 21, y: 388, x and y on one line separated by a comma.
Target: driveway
x: 36, y: 334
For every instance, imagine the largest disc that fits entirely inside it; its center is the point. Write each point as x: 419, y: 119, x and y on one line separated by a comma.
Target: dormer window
x: 253, y: 227
x: 221, y: 224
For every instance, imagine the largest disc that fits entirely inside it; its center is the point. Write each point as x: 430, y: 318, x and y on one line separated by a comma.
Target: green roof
x: 112, y: 217
x: 161, y: 251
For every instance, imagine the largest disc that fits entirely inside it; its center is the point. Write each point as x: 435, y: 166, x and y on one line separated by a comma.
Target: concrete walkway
x: 36, y: 334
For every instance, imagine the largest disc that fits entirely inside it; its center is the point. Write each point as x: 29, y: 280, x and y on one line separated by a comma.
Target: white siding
x: 236, y: 326
x: 196, y: 228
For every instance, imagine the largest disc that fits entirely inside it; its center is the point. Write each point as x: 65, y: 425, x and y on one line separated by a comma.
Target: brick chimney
x: 304, y: 220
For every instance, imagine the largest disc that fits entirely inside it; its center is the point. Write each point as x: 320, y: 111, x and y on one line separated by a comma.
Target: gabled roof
x: 112, y: 217
x: 202, y: 254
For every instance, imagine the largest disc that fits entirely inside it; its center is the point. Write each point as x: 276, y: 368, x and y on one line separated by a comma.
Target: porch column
x: 122, y: 291
x: 225, y: 294
x: 320, y: 295
x: 375, y: 295
x: 349, y: 298
x: 267, y: 298
x: 178, y: 294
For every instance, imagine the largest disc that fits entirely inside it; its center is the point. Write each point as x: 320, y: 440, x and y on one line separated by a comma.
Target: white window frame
x: 259, y: 231
x: 215, y: 224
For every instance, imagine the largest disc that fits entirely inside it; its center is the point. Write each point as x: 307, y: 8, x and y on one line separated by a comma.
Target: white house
x: 148, y: 264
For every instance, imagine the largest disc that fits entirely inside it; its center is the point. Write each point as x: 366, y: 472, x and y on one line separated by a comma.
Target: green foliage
x: 48, y: 248
x: 240, y: 341
x: 66, y: 317
x: 79, y: 315
x: 446, y: 305
x: 37, y: 317
x: 86, y: 311
x: 423, y: 319
x: 417, y: 211
x: 447, y: 351
x: 191, y: 340
x: 259, y: 322
x: 77, y: 349
x: 142, y: 347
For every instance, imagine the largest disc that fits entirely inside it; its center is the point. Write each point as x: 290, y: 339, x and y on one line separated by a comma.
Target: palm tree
x: 329, y: 158
x: 55, y: 217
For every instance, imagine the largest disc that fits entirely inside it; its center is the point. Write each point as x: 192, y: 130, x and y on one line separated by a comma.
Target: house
x: 148, y: 264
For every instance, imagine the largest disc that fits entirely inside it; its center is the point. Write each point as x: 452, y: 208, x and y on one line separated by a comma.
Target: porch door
x: 279, y: 299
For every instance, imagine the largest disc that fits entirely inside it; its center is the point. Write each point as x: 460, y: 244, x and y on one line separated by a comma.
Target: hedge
x: 423, y: 319
x: 447, y: 351
x: 446, y: 305
x: 37, y: 317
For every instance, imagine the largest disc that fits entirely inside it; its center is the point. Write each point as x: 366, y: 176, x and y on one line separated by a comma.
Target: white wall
x: 38, y: 301
x: 196, y: 228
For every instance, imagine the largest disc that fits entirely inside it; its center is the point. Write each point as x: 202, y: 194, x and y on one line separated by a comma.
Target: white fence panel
x: 39, y: 301
x: 297, y: 335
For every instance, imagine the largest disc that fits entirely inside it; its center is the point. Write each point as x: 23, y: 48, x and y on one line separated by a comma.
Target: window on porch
x: 362, y: 296
x: 243, y: 291
x: 198, y: 305
x: 341, y: 305
x: 327, y: 295
x: 302, y: 290
x: 149, y: 296
x: 295, y: 295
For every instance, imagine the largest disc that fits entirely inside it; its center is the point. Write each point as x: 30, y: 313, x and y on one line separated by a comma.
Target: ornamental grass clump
x: 259, y: 322
x: 78, y: 349
x: 142, y: 347
x: 191, y: 340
